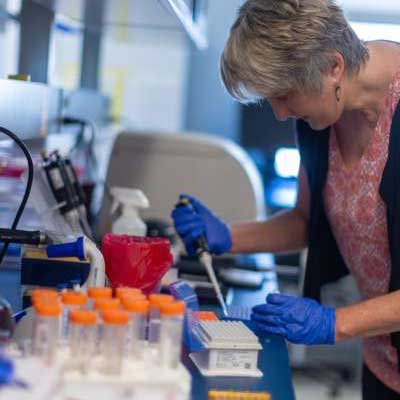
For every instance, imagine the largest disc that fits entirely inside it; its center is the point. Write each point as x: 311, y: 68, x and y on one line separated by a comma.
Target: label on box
x: 241, y: 359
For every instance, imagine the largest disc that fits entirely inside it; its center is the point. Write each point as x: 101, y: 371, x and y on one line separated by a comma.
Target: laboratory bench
x: 273, y: 358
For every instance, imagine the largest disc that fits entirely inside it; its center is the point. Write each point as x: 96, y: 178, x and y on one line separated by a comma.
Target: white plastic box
x: 230, y: 349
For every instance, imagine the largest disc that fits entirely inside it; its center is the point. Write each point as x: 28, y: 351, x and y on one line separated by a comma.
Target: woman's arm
x: 372, y: 317
x: 284, y: 232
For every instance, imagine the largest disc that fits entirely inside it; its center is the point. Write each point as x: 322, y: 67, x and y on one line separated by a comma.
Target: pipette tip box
x: 230, y: 348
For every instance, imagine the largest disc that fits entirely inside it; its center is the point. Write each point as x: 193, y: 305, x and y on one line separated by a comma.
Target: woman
x: 305, y: 60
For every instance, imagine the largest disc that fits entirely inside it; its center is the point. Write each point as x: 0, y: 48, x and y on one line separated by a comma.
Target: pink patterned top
x: 357, y: 215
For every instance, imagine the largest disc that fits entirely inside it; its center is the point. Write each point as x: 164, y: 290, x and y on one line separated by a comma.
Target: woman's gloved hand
x: 299, y: 320
x: 192, y: 222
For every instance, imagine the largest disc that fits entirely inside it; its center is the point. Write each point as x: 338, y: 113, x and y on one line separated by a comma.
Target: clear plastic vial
x: 82, y: 339
x: 156, y: 300
x: 124, y: 291
x: 97, y: 293
x: 46, y: 329
x: 71, y: 301
x: 136, y: 331
x: 43, y: 294
x: 101, y: 305
x: 113, y: 340
x: 171, y: 333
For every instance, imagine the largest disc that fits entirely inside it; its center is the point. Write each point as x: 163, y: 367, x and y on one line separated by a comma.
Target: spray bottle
x: 129, y: 201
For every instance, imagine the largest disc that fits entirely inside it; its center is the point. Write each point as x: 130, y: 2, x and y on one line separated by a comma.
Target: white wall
x: 144, y: 65
x: 145, y: 76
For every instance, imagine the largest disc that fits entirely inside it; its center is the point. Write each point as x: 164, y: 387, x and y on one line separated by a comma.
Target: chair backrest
x: 215, y: 170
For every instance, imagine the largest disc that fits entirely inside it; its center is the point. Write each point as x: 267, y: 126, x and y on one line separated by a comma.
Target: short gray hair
x: 276, y: 46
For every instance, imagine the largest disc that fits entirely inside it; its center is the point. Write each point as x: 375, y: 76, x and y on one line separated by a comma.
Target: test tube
x: 82, y: 338
x: 171, y: 333
x: 113, y: 340
x: 136, y: 331
x: 123, y: 291
x: 104, y: 304
x: 71, y: 301
x: 100, y: 306
x: 46, y: 328
x: 38, y: 294
x: 97, y: 293
x: 156, y: 300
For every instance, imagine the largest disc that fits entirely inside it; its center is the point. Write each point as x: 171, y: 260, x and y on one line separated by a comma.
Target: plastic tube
x: 97, y: 293
x: 82, y: 339
x: 136, y: 331
x: 71, y: 301
x: 113, y: 340
x: 171, y: 333
x: 101, y: 305
x: 156, y: 300
x: 46, y: 329
x: 97, y: 274
x: 122, y: 291
x: 105, y: 304
x: 42, y: 294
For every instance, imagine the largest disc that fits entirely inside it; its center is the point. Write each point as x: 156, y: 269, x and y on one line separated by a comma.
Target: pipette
x: 206, y: 259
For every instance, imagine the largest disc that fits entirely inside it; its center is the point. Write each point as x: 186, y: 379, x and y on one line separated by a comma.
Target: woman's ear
x: 338, y: 67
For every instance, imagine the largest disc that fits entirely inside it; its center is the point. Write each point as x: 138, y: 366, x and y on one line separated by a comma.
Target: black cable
x: 28, y: 187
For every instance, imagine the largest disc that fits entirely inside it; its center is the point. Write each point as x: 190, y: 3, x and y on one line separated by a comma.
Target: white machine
x: 164, y: 165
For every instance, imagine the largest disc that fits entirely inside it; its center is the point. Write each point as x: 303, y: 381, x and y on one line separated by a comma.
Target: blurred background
x: 152, y: 66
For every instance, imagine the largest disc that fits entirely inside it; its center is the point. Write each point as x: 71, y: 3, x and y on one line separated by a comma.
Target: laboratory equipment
x: 234, y: 395
x: 171, y: 327
x: 222, y: 168
x: 43, y: 293
x: 95, y: 293
x: 83, y: 248
x: 126, y: 205
x: 230, y: 349
x: 46, y: 328
x: 38, y: 270
x: 28, y: 187
x: 206, y: 259
x: 182, y: 290
x: 63, y: 182
x: 236, y: 312
x: 136, y: 332
x: 138, y: 262
x: 24, y: 237
x: 113, y: 340
x: 81, y: 198
x: 99, y: 292
x: 82, y: 339
x: 156, y: 300
x: 103, y: 304
x: 71, y: 301
x: 121, y: 292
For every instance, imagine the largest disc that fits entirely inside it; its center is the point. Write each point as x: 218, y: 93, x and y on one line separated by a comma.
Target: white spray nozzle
x: 127, y: 197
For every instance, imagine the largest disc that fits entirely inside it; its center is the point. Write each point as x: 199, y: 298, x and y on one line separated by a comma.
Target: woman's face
x: 319, y: 110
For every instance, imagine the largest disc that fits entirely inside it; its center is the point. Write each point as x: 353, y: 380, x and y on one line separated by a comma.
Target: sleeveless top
x: 358, y: 218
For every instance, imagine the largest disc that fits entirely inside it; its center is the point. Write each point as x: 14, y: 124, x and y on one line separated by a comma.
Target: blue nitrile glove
x: 192, y: 222
x: 299, y: 320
